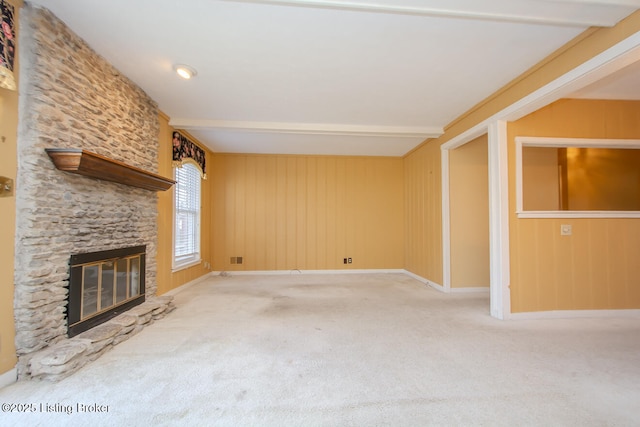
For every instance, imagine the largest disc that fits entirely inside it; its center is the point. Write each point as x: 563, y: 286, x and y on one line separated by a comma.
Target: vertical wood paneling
x: 302, y: 243
x: 239, y: 243
x: 584, y: 291
x: 596, y: 267
x: 332, y: 248
x: 250, y: 205
x: 316, y: 211
x: 257, y: 255
x: 271, y: 193
x: 360, y: 222
x: 423, y: 231
x: 562, y: 277
x: 343, y: 208
x: 291, y: 200
x: 8, y: 168
x: 217, y: 235
x: 320, y: 210
x: 281, y: 212
x: 311, y: 229
x: 230, y: 212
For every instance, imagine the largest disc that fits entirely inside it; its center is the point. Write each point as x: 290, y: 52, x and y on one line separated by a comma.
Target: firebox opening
x: 103, y: 285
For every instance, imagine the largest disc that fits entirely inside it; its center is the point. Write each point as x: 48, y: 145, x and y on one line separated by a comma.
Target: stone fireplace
x: 72, y: 98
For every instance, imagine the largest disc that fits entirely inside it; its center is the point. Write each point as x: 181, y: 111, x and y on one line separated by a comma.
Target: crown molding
x: 310, y: 128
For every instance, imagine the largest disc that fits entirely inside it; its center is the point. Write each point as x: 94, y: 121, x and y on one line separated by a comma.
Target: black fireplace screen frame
x: 75, y: 325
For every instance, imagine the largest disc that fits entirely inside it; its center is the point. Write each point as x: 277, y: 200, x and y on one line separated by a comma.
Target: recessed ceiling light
x: 185, y: 71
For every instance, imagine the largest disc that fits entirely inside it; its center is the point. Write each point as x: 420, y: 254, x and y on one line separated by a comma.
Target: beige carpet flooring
x: 348, y: 350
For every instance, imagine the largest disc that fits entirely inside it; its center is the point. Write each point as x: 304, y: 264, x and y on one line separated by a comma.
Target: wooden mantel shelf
x: 86, y: 163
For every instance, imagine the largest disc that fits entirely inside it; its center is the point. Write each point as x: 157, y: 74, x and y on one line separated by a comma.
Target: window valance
x: 7, y: 46
x: 185, y: 150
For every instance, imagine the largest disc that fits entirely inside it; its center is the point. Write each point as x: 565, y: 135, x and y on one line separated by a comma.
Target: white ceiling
x: 359, y: 77
x: 623, y: 84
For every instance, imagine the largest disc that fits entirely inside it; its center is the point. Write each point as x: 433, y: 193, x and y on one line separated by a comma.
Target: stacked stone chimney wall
x: 70, y: 97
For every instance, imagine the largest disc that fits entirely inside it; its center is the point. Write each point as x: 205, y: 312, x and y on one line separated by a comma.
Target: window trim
x: 197, y: 257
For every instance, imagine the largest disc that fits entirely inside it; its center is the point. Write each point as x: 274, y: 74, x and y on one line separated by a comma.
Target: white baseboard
x: 470, y: 290
x: 187, y: 285
x: 286, y: 272
x: 574, y: 314
x: 8, y: 378
x: 427, y: 282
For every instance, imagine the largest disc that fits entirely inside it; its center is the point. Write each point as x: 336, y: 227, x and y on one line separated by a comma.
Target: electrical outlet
x: 566, y: 230
x: 345, y: 261
x: 349, y: 260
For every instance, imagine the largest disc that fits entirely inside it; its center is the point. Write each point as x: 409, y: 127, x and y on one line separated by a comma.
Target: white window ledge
x: 186, y: 265
x: 578, y: 214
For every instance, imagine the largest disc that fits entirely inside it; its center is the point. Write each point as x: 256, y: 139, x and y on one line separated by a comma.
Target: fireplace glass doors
x: 104, y: 284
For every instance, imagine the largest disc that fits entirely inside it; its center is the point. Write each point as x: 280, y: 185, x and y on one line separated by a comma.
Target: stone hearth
x: 67, y: 356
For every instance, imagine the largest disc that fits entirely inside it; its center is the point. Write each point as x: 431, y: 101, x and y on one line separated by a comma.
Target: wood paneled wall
x: 423, y: 212
x: 8, y: 168
x: 282, y: 212
x: 167, y: 279
x: 597, y: 266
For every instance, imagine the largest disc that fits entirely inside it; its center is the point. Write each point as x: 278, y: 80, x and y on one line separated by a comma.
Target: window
x: 578, y: 178
x: 186, y: 243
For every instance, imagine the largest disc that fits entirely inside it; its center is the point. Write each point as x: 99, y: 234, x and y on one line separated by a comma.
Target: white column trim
x: 499, y: 220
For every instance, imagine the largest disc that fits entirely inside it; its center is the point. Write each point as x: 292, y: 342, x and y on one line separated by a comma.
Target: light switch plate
x: 565, y: 230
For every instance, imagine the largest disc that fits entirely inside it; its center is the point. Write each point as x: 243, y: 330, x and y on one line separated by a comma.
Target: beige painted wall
x: 168, y: 280
x: 597, y: 266
x: 469, y: 214
x: 603, y: 179
x: 283, y: 212
x: 540, y: 179
x: 8, y: 168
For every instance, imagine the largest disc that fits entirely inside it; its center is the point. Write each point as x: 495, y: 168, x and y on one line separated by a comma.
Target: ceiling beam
x: 310, y: 128
x: 523, y: 11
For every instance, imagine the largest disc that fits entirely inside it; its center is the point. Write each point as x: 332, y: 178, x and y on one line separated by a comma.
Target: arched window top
x: 186, y: 151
